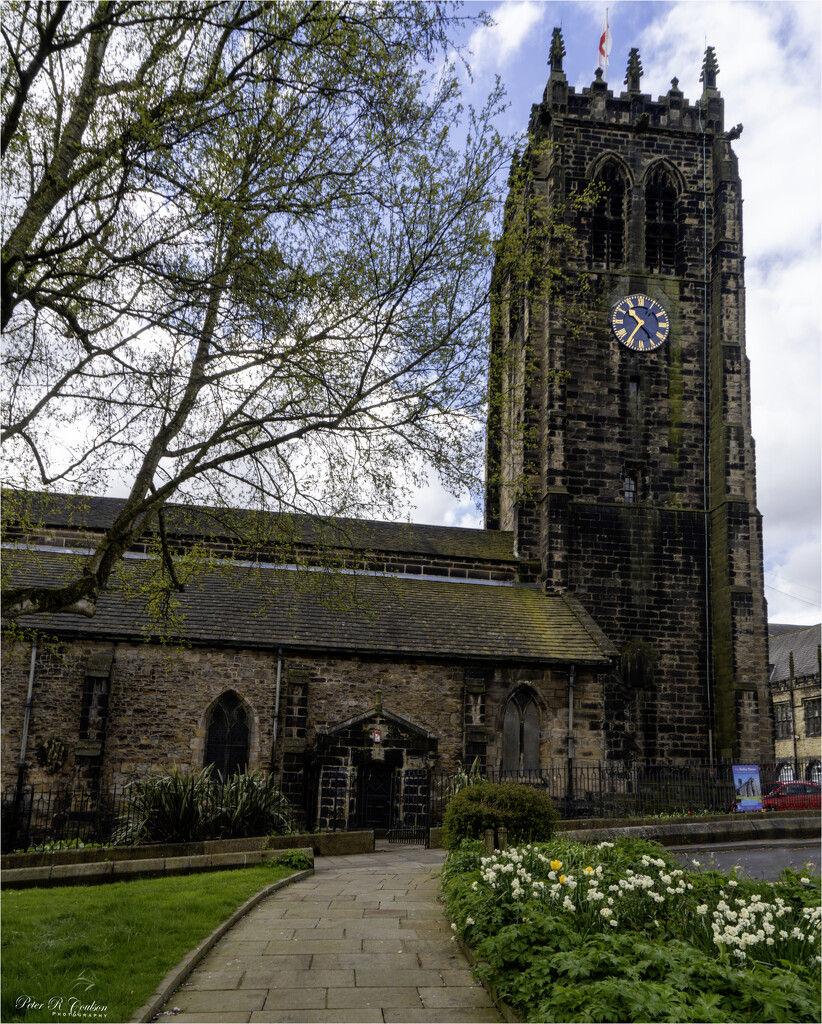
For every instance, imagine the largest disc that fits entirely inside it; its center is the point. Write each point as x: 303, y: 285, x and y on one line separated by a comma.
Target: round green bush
x: 527, y: 813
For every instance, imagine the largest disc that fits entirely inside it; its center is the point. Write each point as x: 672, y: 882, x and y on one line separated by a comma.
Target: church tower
x: 619, y: 438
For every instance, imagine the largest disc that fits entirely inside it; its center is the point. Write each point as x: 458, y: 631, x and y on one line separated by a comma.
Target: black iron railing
x: 407, y: 803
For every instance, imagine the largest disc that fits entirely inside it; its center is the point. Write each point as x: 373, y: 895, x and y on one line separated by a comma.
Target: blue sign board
x: 747, y: 788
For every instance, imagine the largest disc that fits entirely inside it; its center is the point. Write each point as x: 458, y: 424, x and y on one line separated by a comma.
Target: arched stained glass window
x: 608, y: 227
x: 227, y: 736
x: 520, y: 734
x: 661, y: 234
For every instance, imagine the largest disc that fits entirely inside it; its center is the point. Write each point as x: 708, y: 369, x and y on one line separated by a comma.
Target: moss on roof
x: 241, y: 606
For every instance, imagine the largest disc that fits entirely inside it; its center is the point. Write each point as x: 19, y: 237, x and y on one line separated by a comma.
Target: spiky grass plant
x: 184, y: 806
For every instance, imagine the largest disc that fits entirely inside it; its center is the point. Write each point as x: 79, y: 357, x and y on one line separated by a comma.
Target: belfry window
x: 630, y: 489
x: 660, y: 224
x: 520, y: 734
x: 608, y: 227
x: 227, y: 736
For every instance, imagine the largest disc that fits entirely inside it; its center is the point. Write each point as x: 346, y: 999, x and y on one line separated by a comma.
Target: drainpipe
x: 276, y: 706
x: 570, y: 787
x: 706, y: 461
x: 21, y: 764
x: 791, y: 685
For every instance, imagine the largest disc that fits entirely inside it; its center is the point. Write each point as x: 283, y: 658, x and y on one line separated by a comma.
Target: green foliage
x: 183, y: 806
x: 463, y: 778
x: 247, y: 266
x: 619, y: 932
x: 112, y: 944
x: 296, y: 859
x: 527, y: 813
x: 539, y: 274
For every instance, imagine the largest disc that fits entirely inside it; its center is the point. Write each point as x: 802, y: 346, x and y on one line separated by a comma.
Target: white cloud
x: 434, y: 504
x: 768, y: 59
x: 496, y: 44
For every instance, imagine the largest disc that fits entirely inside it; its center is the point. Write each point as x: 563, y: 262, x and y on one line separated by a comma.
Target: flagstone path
x: 363, y: 939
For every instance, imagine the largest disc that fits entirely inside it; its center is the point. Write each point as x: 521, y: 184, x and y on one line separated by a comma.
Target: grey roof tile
x: 231, y: 604
x: 98, y: 514
x: 803, y: 642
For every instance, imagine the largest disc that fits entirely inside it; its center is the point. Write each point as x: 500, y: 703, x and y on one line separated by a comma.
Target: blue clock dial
x: 640, y: 323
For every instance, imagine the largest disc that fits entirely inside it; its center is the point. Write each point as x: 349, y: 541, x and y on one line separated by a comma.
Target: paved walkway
x: 364, y: 939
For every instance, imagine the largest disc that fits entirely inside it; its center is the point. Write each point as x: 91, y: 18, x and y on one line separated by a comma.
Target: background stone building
x: 612, y: 608
x: 796, y: 692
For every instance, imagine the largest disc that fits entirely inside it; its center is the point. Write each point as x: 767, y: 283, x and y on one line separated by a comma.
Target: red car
x: 791, y: 796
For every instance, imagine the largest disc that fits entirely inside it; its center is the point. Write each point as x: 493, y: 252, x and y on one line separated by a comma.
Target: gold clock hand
x: 633, y: 332
x: 639, y: 320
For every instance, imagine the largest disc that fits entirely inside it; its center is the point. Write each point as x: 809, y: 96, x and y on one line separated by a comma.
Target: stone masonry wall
x: 675, y: 420
x: 159, y: 701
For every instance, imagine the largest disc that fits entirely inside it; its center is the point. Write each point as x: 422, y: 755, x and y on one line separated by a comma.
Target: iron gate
x: 410, y: 808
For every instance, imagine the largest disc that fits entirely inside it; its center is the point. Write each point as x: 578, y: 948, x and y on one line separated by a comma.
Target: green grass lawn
x: 110, y: 945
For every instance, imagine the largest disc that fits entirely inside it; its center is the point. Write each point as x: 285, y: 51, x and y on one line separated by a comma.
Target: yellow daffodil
x: 562, y: 879
x: 556, y: 865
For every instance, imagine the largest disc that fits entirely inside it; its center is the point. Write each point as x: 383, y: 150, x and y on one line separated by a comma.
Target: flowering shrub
x: 649, y: 940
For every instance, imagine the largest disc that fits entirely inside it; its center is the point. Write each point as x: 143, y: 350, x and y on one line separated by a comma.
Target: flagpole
x: 605, y: 71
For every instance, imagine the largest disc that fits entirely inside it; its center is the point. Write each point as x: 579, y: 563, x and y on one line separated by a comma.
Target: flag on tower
x: 604, y: 47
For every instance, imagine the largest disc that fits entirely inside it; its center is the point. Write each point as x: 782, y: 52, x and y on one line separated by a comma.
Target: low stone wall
x: 702, y: 831
x: 108, y: 864
x: 326, y: 844
x: 95, y: 872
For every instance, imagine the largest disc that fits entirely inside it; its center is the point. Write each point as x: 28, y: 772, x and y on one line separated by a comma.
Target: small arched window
x: 608, y: 225
x: 630, y: 489
x: 661, y: 234
x: 520, y: 734
x: 227, y: 736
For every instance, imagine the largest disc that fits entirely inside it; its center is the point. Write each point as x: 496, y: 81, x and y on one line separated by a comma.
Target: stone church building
x: 613, y: 606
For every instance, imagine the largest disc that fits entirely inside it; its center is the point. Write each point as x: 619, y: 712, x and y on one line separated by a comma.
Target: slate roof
x: 97, y: 514
x: 240, y: 606
x: 804, y: 642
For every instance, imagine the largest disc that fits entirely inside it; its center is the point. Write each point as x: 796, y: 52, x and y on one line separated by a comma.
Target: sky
x: 769, y: 76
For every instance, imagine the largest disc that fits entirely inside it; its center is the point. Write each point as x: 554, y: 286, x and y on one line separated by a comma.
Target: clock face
x: 640, y: 323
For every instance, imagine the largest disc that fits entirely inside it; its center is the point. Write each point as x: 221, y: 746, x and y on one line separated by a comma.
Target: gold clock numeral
x: 640, y: 300
x: 622, y: 333
x: 660, y: 335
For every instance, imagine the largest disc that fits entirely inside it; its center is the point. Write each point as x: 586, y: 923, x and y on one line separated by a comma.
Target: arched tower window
x: 227, y: 736
x: 661, y: 234
x: 608, y: 225
x: 520, y: 733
